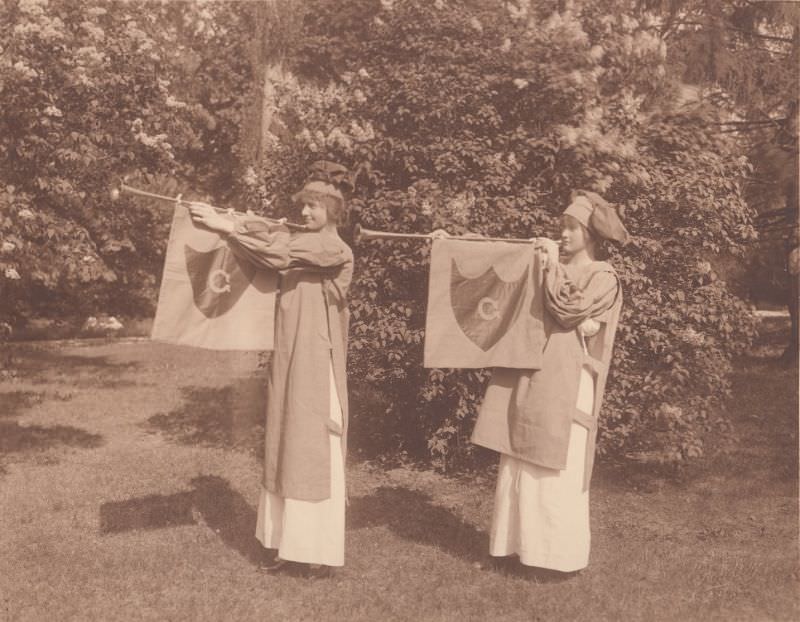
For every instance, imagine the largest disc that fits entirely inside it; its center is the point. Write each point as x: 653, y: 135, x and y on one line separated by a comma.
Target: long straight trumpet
x: 161, y: 197
x: 361, y: 234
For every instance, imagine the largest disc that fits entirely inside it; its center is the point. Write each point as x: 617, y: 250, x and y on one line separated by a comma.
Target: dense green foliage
x: 484, y: 119
x: 472, y: 116
x: 91, y: 91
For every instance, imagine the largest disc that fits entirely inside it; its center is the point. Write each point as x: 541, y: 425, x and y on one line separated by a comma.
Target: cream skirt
x: 542, y: 514
x: 308, y: 531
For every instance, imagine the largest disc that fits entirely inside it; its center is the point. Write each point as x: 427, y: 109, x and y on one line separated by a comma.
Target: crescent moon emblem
x: 488, y: 309
x: 219, y: 281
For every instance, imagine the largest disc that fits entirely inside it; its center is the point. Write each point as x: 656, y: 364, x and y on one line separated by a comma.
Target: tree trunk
x: 277, y: 24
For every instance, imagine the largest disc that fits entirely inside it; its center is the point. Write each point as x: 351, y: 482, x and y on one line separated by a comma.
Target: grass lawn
x: 129, y: 476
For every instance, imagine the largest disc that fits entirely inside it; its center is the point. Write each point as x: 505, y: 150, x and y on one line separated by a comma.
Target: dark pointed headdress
x: 597, y: 215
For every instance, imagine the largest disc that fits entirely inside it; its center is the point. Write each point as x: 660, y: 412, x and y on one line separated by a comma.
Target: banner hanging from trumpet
x: 485, y: 306
x: 209, y: 298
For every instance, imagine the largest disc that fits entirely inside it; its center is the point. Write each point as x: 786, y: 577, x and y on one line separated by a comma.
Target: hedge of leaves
x: 483, y: 117
x: 91, y: 90
x: 472, y: 116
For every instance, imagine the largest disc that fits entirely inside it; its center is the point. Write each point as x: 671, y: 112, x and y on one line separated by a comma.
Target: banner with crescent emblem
x: 484, y: 306
x: 210, y: 298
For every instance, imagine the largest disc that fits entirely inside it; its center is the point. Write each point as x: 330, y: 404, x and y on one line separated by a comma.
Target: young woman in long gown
x: 544, y: 422
x: 301, y: 511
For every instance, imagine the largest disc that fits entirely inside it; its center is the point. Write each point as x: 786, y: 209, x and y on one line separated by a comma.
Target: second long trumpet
x: 362, y: 234
x: 160, y: 197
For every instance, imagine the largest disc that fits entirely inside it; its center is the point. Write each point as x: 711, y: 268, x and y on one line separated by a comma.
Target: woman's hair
x: 336, y: 208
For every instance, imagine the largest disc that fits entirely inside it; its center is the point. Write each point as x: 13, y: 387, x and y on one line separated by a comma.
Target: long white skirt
x: 542, y: 514
x: 308, y: 531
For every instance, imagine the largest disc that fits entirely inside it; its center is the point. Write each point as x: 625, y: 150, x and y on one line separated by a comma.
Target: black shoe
x: 504, y: 564
x: 269, y: 561
x: 317, y: 571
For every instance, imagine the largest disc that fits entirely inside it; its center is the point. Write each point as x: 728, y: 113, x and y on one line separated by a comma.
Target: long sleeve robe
x: 528, y: 413
x: 311, y: 326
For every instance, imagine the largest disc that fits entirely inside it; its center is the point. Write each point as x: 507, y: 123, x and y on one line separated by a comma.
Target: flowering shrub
x: 484, y: 117
x: 469, y: 116
x: 91, y: 90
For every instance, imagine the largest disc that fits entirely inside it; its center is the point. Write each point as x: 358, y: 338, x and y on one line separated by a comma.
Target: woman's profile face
x: 573, y: 236
x: 315, y: 215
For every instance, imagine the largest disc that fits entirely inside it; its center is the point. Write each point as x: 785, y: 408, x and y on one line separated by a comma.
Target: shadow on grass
x: 228, y: 514
x: 43, y: 364
x: 14, y: 402
x: 21, y: 440
x: 18, y: 438
x: 150, y: 512
x: 411, y: 515
x: 211, y: 498
x: 231, y: 417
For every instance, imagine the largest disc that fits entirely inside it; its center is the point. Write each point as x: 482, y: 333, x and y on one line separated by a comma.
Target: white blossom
x: 12, y: 274
x: 662, y: 49
x: 476, y: 24
x: 568, y: 134
x: 94, y: 31
x: 52, y: 111
x: 337, y: 137
x: 7, y: 247
x: 250, y: 178
x: 627, y: 44
x: 25, y: 213
x: 703, y: 267
x: 171, y: 102
x: 32, y: 7
x: 629, y: 23
x: 518, y: 10
x: 520, y: 83
x: 363, y: 73
x: 691, y: 336
x: 26, y: 71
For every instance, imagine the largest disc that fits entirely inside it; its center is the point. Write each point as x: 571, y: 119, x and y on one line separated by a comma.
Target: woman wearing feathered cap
x: 301, y: 512
x: 544, y: 422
